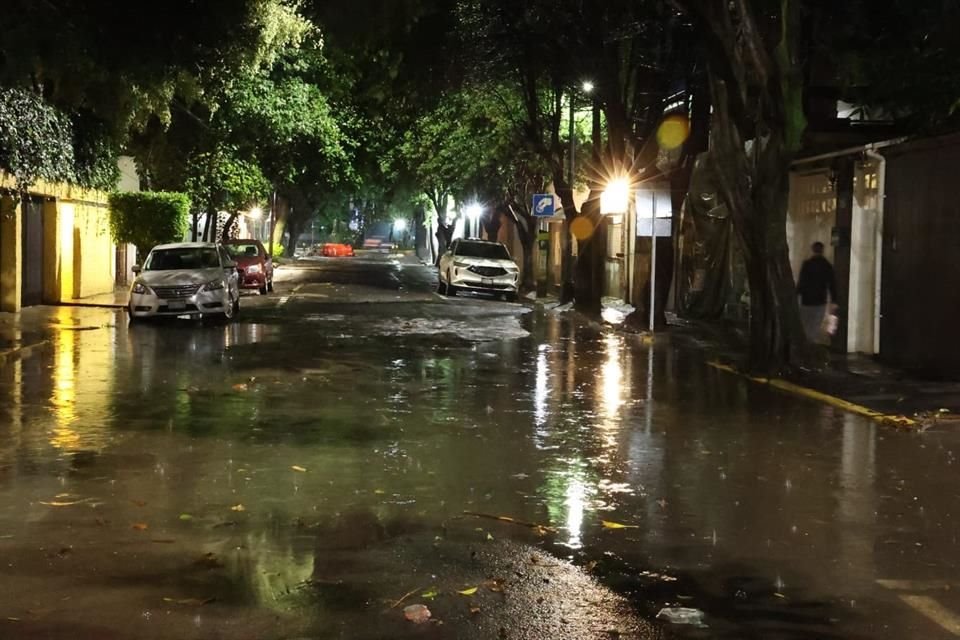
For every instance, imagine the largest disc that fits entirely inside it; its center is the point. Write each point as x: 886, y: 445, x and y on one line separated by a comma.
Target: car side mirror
x: 136, y: 268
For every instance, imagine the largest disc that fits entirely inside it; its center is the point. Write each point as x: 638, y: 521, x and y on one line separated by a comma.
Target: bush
x: 148, y: 218
x: 36, y: 140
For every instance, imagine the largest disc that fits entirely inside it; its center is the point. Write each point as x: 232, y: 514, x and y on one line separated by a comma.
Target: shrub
x: 148, y: 218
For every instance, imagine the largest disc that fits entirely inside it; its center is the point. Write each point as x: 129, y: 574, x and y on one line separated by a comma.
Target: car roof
x: 242, y: 241
x: 187, y: 245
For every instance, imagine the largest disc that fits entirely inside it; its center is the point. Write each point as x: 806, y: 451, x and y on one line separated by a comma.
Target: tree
x: 148, y: 218
x: 756, y: 82
x: 222, y: 180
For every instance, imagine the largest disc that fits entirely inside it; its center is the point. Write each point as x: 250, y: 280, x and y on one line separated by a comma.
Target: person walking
x: 815, y: 284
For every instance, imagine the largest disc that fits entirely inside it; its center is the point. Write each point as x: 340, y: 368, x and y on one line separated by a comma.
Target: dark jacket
x: 816, y: 280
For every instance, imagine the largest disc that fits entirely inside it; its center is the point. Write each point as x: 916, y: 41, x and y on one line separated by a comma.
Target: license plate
x: 488, y: 282
x: 176, y: 305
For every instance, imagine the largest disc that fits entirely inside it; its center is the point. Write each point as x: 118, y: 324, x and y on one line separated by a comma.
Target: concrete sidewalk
x: 115, y: 299
x: 853, y: 382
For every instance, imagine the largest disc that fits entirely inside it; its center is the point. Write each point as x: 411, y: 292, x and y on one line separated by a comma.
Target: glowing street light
x: 474, y: 211
x: 588, y: 86
x: 256, y: 213
x: 400, y: 225
x: 615, y: 199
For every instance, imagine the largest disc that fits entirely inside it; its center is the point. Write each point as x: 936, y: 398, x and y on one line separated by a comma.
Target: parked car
x: 256, y: 263
x: 336, y: 250
x: 186, y: 279
x: 479, y: 265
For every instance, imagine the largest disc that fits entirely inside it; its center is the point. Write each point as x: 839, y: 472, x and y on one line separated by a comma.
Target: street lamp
x: 400, y: 225
x: 474, y: 211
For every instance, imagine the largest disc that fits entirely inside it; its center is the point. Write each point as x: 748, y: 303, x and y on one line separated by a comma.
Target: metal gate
x: 32, y: 284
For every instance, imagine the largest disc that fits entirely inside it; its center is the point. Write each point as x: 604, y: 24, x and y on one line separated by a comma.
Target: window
x: 244, y: 250
x: 486, y: 250
x: 182, y: 258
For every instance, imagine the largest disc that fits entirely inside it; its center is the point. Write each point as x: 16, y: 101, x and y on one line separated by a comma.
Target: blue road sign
x: 543, y: 205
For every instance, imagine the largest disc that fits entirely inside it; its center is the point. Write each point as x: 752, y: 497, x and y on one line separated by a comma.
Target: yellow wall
x: 79, y: 253
x: 10, y: 254
x: 94, y: 254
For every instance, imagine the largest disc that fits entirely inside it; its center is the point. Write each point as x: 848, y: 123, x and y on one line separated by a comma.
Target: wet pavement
x: 345, y: 448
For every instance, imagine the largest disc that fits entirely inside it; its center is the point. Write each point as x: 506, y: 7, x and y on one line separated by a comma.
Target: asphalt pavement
x: 356, y: 448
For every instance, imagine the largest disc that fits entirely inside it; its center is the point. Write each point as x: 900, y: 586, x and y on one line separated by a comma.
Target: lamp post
x: 587, y: 87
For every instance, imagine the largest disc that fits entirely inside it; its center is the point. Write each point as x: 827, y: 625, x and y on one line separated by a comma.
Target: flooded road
x: 343, y: 450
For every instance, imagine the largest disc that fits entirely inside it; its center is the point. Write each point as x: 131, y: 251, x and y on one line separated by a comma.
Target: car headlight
x: 513, y: 269
x: 213, y: 285
x: 141, y: 289
x: 254, y: 268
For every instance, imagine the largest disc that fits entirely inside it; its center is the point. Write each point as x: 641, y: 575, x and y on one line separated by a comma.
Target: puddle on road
x: 302, y: 480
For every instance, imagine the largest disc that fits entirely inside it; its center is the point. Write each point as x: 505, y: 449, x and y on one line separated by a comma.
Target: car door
x: 267, y: 261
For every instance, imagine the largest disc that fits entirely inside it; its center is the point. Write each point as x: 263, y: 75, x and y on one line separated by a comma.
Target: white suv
x: 479, y: 265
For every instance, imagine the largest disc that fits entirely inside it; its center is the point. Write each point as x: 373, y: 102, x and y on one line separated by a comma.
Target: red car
x: 254, y: 262
x: 333, y: 250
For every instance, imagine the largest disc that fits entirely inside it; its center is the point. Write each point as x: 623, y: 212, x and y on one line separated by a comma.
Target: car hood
x: 180, y: 277
x: 486, y: 262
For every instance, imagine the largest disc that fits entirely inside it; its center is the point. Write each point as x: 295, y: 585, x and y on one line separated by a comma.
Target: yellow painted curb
x: 812, y: 394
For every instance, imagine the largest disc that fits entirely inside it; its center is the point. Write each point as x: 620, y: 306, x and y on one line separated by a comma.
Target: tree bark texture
x: 756, y: 86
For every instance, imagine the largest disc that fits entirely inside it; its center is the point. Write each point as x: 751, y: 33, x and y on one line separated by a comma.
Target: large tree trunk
x: 591, y: 261
x: 568, y: 288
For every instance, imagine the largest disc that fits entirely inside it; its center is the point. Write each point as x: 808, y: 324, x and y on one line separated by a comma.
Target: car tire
x: 132, y: 319
x: 450, y: 289
x: 270, y: 286
x: 441, y: 286
x: 511, y: 297
x: 264, y: 289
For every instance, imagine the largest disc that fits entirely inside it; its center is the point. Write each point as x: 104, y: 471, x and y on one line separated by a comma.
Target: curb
x: 819, y: 396
x: 94, y: 305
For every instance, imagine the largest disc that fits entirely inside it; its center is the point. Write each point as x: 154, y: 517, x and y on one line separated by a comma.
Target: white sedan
x: 186, y: 279
x: 479, y: 265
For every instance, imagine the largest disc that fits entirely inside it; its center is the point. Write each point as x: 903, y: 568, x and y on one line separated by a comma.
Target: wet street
x: 345, y: 449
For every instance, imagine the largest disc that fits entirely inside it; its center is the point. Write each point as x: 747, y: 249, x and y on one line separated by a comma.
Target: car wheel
x: 511, y: 297
x: 264, y: 289
x: 450, y: 289
x: 132, y: 318
x: 270, y: 286
x: 236, y: 306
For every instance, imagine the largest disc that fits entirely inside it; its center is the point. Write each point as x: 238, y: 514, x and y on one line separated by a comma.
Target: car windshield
x: 184, y: 258
x: 483, y: 250
x: 243, y: 250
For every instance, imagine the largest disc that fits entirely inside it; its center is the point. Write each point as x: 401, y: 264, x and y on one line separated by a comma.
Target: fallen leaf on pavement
x: 489, y: 537
x: 191, y: 602
x: 140, y: 526
x: 186, y: 516
x: 139, y: 503
x: 417, y: 613
x: 616, y: 525
x: 65, y: 503
x: 430, y: 594
x: 209, y: 561
x: 238, y: 507
x: 240, y: 387
x: 297, y: 467
x: 379, y: 492
x: 468, y: 592
x: 474, y: 609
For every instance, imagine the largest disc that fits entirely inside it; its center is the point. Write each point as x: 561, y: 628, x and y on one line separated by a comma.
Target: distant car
x: 478, y: 265
x: 256, y: 263
x: 337, y: 250
x: 186, y: 279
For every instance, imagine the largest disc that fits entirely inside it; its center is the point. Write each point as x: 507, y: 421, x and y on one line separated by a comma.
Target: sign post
x: 654, y: 208
x: 544, y: 205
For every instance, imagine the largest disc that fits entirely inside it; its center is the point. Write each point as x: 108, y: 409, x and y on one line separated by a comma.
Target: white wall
x: 864, y: 242
x: 812, y: 216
